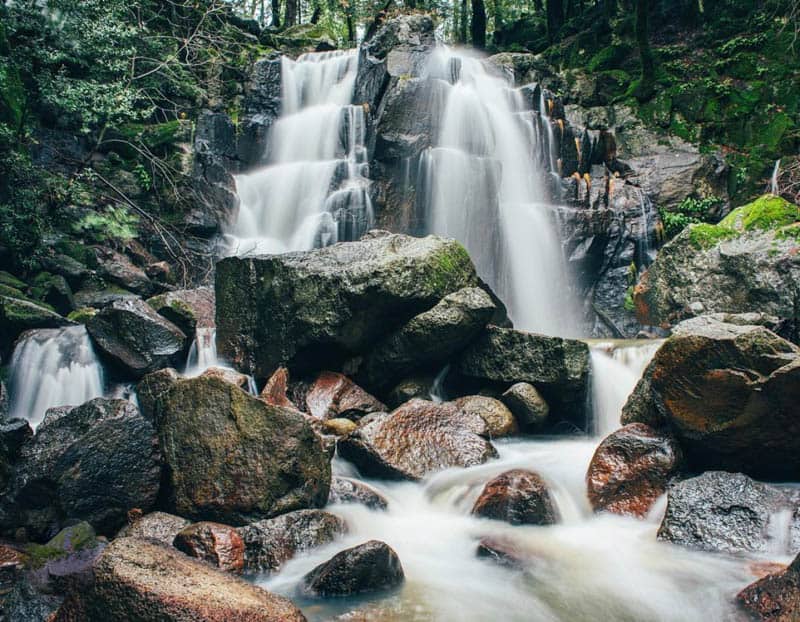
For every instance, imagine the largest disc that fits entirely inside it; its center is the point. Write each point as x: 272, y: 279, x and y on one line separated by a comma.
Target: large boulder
x: 729, y: 394
x: 416, y: 439
x: 135, y: 339
x: 747, y: 262
x: 268, y: 544
x: 65, y: 561
x: 92, y: 463
x: 188, y: 309
x: 219, y: 545
x: 159, y: 526
x: 19, y: 314
x: 430, y: 339
x: 518, y: 497
x: 728, y: 512
x: 334, y: 396
x: 142, y: 580
x: 558, y: 368
x: 774, y: 598
x: 233, y: 458
x: 631, y: 468
x: 314, y: 309
x: 369, y: 567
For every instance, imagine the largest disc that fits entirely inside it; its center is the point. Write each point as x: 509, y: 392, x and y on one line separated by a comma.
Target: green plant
x: 688, y: 212
x: 116, y: 224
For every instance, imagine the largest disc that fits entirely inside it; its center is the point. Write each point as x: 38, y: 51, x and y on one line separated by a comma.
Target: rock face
x: 251, y: 461
x: 631, y: 469
x: 368, y: 567
x: 518, y: 497
x: 334, y: 395
x: 527, y: 405
x: 188, y: 309
x: 133, y: 337
x: 776, y: 597
x: 346, y: 490
x: 558, y: 368
x: 93, y: 463
x: 499, y: 420
x: 418, y: 438
x: 155, y: 526
x: 748, y: 262
x: 314, y: 309
x: 719, y: 511
x: 729, y: 393
x: 271, y: 543
x: 430, y: 339
x: 141, y: 580
x: 215, y: 543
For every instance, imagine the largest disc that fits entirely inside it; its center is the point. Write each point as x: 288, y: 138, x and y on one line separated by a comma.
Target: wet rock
x: 775, y: 597
x: 136, y: 339
x: 503, y: 551
x: 18, y: 315
x: 518, y: 497
x: 271, y: 543
x: 559, y: 368
x: 53, y: 290
x: 408, y: 389
x: 369, y: 567
x: 430, y: 339
x: 719, y: 511
x: 152, y: 388
x: 215, y: 161
x: 13, y: 434
x: 729, y: 394
x: 275, y: 391
x: 262, y: 106
x: 215, y: 543
x: 631, y: 468
x: 124, y: 589
x: 251, y: 461
x: 314, y: 309
x: 24, y: 603
x: 527, y: 405
x: 231, y: 376
x: 339, y: 426
x: 116, y: 268
x: 334, y: 395
x: 186, y: 308
x: 65, y: 562
x: 499, y: 420
x: 416, y: 439
x: 155, y: 526
x: 346, y: 490
x: 93, y: 463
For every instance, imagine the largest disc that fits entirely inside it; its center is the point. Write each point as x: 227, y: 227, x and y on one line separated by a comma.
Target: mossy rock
x: 67, y: 541
x: 82, y: 315
x: 766, y: 213
x: 9, y: 280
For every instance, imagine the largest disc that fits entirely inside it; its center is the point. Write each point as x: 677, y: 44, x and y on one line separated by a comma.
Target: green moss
x: 10, y: 280
x: 766, y: 212
x: 68, y: 540
x: 703, y: 235
x: 790, y: 232
x: 12, y: 292
x: 82, y: 315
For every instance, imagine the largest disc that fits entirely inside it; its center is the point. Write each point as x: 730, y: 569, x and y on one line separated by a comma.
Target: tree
x: 478, y: 24
x: 276, y: 13
x: 290, y: 16
x: 646, y: 87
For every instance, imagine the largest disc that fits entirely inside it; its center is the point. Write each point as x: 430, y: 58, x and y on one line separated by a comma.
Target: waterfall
x: 484, y: 185
x: 773, y: 181
x: 315, y: 189
x: 203, y: 352
x: 53, y: 367
x: 616, y: 368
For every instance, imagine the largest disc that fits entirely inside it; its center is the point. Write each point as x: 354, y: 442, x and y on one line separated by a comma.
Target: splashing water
x: 53, y: 367
x: 203, y: 356
x: 314, y: 192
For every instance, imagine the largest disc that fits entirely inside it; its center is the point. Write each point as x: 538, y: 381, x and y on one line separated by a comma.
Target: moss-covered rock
x: 19, y: 314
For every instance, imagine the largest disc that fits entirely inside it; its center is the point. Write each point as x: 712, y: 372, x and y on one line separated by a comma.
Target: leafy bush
x: 690, y: 211
x: 115, y: 224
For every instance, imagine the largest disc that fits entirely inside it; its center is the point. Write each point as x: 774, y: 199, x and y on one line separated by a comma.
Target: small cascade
x: 773, y: 181
x: 646, y: 250
x: 203, y: 352
x: 53, y: 367
x: 437, y: 388
x: 315, y: 189
x: 616, y: 368
x: 482, y: 184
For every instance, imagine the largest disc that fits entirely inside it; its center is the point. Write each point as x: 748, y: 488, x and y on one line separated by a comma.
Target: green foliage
x: 690, y: 211
x: 115, y: 224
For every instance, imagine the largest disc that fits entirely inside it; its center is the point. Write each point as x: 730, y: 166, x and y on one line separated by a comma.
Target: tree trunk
x: 478, y: 24
x: 276, y: 13
x: 290, y: 17
x: 462, y: 27
x: 647, y: 81
x: 555, y: 18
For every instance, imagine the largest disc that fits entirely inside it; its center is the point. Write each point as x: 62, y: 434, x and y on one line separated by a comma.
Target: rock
x: 218, y: 544
x: 630, y: 470
x: 339, y: 426
x: 274, y: 392
x: 251, y: 461
x: 53, y: 290
x: 271, y: 543
x: 729, y: 394
x: 369, y: 567
x: 215, y: 161
x: 499, y: 420
x: 231, y: 376
x: 748, y: 262
x: 346, y: 490
x: 430, y: 339
x: 152, y: 388
x: 125, y: 588
x: 775, y: 597
x: 93, y: 463
x: 405, y: 390
x: 136, y: 339
x: 155, y: 526
x: 13, y: 434
x: 262, y: 106
x: 116, y: 268
x: 24, y: 603
x: 18, y: 315
x: 416, y: 439
x: 558, y: 368
x: 65, y: 562
x: 719, y: 511
x: 505, y: 552
x: 97, y: 296
x: 518, y: 497
x: 333, y: 396
x: 314, y: 309
x: 186, y: 308
x: 527, y: 405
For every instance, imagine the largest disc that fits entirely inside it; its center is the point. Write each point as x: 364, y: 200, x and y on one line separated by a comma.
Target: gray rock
x: 262, y: 106
x: 155, y: 526
x: 369, y: 567
x: 527, y: 405
x: 346, y: 490
x: 188, y: 309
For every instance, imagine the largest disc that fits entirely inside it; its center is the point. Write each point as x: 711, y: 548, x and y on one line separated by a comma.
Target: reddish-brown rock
x: 368, y: 567
x: 216, y: 543
x: 518, y: 497
x: 776, y: 597
x: 333, y: 396
x: 274, y: 392
x: 631, y: 468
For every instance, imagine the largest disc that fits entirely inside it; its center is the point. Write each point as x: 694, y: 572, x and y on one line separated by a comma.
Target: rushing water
x: 485, y: 187
x: 314, y: 191
x: 53, y: 367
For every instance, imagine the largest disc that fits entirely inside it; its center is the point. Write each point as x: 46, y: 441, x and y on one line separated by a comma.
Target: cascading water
x: 53, y: 367
x: 203, y: 355
x: 484, y: 186
x: 773, y: 181
x: 314, y: 191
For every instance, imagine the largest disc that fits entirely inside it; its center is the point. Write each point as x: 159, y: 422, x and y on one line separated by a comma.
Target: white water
x: 773, y: 181
x: 53, y: 367
x: 203, y: 356
x: 485, y: 187
x: 314, y: 191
